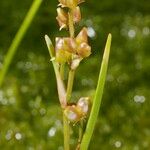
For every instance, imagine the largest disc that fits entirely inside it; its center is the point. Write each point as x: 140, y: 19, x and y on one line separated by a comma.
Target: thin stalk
x: 98, y: 97
x: 18, y: 38
x: 65, y: 120
x: 71, y: 24
x: 69, y: 90
x: 66, y: 128
x: 81, y: 131
x: 71, y: 72
x: 62, y: 71
x: 70, y: 84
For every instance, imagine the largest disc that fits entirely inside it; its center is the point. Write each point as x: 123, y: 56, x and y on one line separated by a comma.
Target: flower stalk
x: 70, y: 51
x: 70, y: 84
x: 71, y: 26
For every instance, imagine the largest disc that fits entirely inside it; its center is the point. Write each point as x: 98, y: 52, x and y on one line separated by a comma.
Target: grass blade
x: 18, y: 38
x: 98, y: 97
x: 60, y: 84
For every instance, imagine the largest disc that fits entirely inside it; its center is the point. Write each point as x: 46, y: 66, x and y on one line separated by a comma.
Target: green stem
x: 71, y: 72
x: 66, y: 133
x: 71, y: 24
x: 80, y: 131
x: 65, y: 120
x: 62, y: 71
x: 70, y: 84
x: 66, y: 126
x: 18, y: 38
x: 69, y: 91
x: 98, y: 97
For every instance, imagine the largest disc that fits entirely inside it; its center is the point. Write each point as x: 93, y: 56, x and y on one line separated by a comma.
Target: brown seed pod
x: 84, y: 104
x: 82, y: 37
x: 70, y: 3
x: 72, y: 113
x: 62, y: 18
x: 76, y: 15
x: 76, y: 112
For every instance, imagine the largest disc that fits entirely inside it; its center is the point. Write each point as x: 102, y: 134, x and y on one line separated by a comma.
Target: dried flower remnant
x: 83, y: 49
x: 76, y: 15
x: 82, y: 36
x: 72, y: 113
x: 62, y: 18
x: 61, y: 53
x: 70, y: 3
x: 84, y: 105
x: 73, y: 50
x: 78, y: 112
x: 66, y: 44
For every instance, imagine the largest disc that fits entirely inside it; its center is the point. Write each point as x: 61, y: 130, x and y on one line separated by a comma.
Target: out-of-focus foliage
x: 30, y: 117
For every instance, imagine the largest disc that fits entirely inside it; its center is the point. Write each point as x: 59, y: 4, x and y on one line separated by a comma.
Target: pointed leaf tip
x: 48, y: 41
x: 107, y: 47
x: 60, y: 84
x: 109, y: 40
x: 110, y: 35
x: 50, y: 46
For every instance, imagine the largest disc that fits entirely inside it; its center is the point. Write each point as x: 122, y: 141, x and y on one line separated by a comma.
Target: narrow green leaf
x: 50, y: 46
x: 60, y: 83
x: 18, y: 38
x: 98, y: 97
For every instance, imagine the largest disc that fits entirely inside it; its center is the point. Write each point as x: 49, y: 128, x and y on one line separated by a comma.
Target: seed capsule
x: 72, y: 113
x: 83, y: 104
x: 62, y: 18
x: 82, y: 37
x: 64, y: 48
x: 75, y: 113
x: 84, y: 50
x: 66, y: 44
x: 70, y: 3
x: 69, y: 45
x: 76, y: 15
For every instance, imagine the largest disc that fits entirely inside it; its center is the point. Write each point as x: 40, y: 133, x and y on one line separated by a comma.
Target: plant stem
x: 71, y: 72
x: 62, y: 71
x: 69, y: 90
x: 81, y: 131
x: 66, y: 133
x: 18, y: 38
x: 65, y: 120
x: 71, y: 24
x: 66, y: 126
x: 70, y: 84
x: 98, y: 97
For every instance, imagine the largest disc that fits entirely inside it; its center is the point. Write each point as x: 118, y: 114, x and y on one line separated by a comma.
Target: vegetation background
x: 30, y: 117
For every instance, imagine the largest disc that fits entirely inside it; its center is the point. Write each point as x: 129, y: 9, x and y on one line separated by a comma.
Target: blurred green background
x: 30, y: 117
